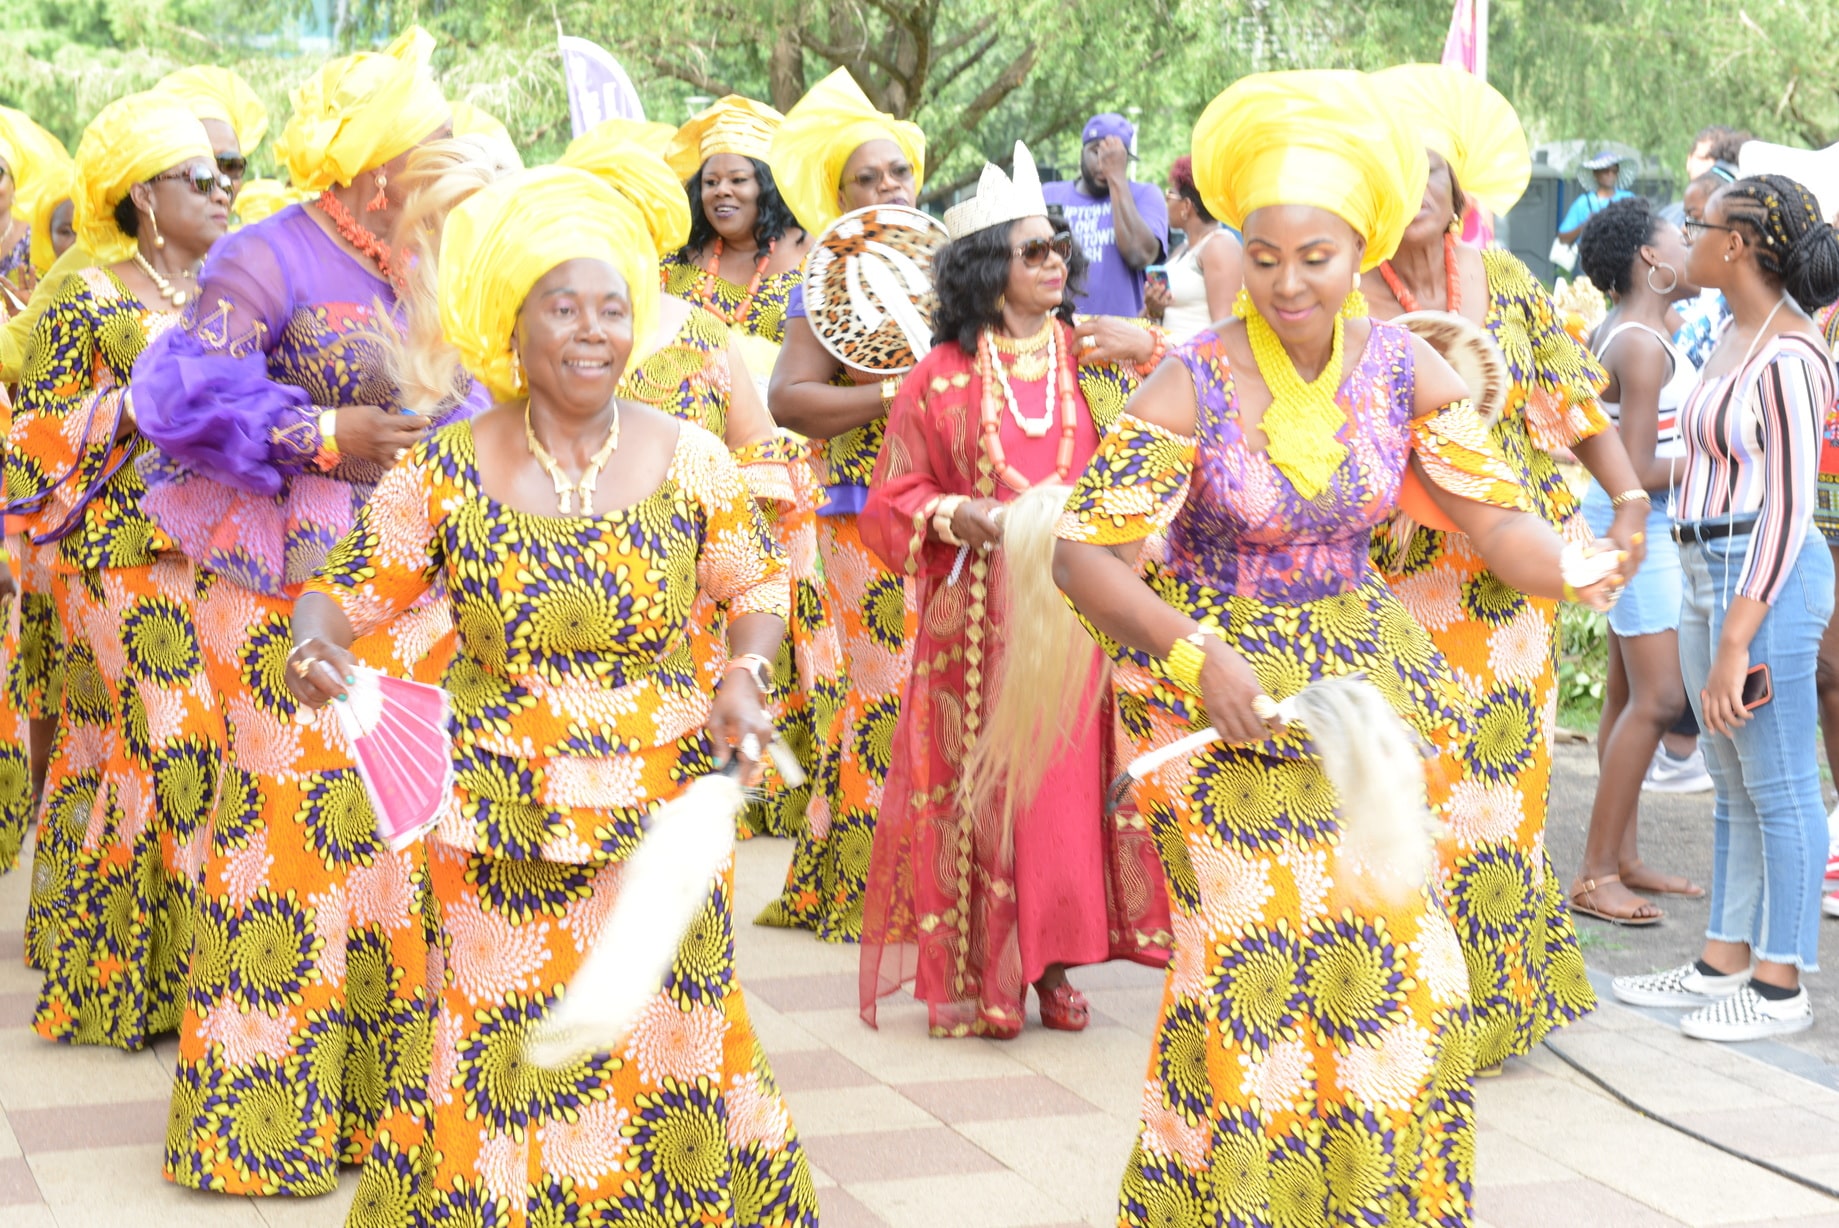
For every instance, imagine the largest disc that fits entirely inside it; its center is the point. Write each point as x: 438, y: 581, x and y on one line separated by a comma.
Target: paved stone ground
x: 906, y: 1132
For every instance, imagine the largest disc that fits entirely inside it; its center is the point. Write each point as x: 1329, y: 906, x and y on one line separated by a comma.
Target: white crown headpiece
x: 999, y: 198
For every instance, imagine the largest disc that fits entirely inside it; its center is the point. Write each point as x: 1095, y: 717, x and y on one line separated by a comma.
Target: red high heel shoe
x: 1064, y: 1009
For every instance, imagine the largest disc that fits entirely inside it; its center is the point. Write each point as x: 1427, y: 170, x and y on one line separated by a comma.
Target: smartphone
x: 1757, y: 689
x: 1158, y: 275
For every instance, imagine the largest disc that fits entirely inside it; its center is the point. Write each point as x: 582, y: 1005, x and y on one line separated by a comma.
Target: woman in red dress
x: 976, y: 894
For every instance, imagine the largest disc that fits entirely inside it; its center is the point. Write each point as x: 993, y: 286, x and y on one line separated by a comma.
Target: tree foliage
x: 979, y: 74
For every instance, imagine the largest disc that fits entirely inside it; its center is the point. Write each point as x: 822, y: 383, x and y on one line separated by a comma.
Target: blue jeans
x: 1769, y: 823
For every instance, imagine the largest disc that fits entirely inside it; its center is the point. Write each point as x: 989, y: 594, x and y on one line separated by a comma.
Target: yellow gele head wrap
x: 130, y: 141
x: 261, y: 199
x: 1469, y: 122
x: 57, y: 187
x: 735, y: 125
x: 649, y: 134
x: 505, y: 238
x: 469, y: 120
x: 1319, y: 137
x: 360, y: 111
x: 827, y: 125
x: 38, y: 161
x: 641, y: 176
x: 218, y: 93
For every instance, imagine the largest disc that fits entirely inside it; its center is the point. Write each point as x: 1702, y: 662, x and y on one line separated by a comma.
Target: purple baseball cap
x: 1110, y: 124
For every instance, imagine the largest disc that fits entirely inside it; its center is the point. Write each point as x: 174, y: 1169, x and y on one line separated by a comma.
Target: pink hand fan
x: 398, y: 732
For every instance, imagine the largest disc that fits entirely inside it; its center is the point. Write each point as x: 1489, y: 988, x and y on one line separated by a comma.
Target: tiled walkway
x: 913, y: 1133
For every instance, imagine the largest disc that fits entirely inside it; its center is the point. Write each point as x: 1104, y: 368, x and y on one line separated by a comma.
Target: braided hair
x: 1612, y: 243
x: 1794, y: 244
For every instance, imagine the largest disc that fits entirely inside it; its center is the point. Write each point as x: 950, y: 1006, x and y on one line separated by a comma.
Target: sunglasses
x: 1696, y: 229
x: 232, y: 167
x: 202, y: 179
x: 1034, y: 251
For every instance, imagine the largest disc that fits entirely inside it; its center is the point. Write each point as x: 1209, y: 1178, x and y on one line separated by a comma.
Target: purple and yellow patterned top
x: 1285, y: 578
x: 286, y: 325
x: 765, y: 318
x: 1235, y: 524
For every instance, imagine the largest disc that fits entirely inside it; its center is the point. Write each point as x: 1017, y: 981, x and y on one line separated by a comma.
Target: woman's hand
x: 1156, y: 297
x: 738, y: 722
x: 1629, y: 532
x: 376, y: 434
x: 1228, y: 687
x: 978, y: 523
x: 1109, y: 339
x: 317, y: 672
x: 1722, y: 696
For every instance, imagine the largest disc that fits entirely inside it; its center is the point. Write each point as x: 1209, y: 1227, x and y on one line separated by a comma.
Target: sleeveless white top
x: 1187, y: 312
x: 1668, y: 444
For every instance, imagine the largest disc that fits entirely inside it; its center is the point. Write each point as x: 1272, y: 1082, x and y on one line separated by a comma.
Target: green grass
x: 1583, y: 666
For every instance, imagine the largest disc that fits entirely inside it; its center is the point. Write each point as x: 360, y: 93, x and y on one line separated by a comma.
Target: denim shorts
x: 1650, y: 602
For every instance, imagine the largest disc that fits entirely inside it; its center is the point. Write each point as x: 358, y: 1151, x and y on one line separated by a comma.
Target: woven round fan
x: 868, y: 287
x: 1468, y: 348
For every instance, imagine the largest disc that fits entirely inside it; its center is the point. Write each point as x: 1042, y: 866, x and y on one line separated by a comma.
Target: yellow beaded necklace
x: 1300, y: 425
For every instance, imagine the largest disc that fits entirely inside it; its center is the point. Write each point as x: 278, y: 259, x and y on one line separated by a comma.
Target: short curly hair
x: 1181, y: 178
x: 1612, y: 242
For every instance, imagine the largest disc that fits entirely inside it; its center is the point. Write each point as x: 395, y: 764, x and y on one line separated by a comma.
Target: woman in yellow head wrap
x: 745, y: 248
x: 276, y: 408
x: 693, y: 367
x: 35, y: 172
x: 836, y: 153
x: 35, y: 188
x: 1268, y: 452
x: 111, y: 911
x: 567, y: 497
x: 1534, y: 978
x: 233, y: 117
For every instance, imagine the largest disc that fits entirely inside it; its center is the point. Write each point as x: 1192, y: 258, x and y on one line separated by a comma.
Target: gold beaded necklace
x: 566, y: 490
x: 1303, y: 417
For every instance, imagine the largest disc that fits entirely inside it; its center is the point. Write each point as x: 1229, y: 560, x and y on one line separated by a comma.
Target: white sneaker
x: 1681, y: 986
x: 1747, y: 1015
x: 1665, y: 774
x: 1830, y: 905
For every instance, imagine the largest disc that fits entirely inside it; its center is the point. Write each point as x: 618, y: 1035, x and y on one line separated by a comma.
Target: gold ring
x: 303, y: 667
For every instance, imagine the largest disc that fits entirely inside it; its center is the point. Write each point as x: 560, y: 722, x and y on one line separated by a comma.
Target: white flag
x: 598, y: 88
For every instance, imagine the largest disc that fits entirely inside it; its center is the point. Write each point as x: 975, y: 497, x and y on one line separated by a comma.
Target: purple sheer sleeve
x: 202, y: 392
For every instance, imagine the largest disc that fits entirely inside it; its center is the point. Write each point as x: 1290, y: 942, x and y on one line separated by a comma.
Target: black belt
x: 1712, y: 530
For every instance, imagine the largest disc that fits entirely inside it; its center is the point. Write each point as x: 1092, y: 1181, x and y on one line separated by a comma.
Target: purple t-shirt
x: 1113, y: 288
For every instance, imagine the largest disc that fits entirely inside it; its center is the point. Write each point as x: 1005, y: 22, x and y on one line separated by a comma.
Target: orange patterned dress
x: 1508, y: 904
x: 689, y: 378
x: 1312, y: 1060
x: 577, y: 708
x: 130, y: 788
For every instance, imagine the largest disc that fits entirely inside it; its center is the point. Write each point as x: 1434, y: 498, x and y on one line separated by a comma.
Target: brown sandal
x: 1691, y: 890
x: 1580, y: 902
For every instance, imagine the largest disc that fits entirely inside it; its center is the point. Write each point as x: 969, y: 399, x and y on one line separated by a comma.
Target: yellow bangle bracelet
x: 1186, y: 657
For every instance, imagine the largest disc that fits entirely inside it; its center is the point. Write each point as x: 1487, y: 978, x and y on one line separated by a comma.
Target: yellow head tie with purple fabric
x: 734, y: 125
x: 130, y: 141
x: 220, y: 94
x: 361, y: 111
x: 609, y: 153
x: 832, y: 121
x: 1467, y: 121
x: 505, y: 238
